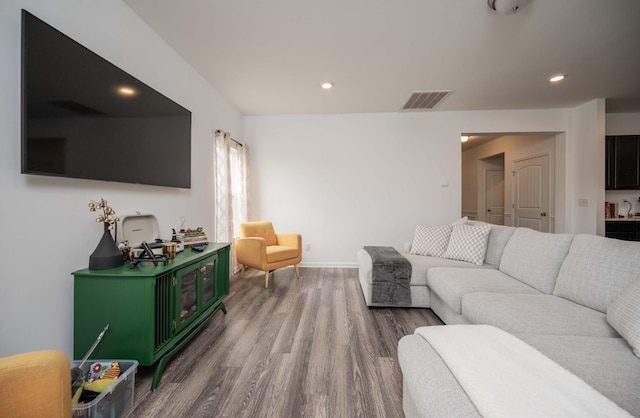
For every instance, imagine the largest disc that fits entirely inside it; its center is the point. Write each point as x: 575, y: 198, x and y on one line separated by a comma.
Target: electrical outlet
x: 307, y: 247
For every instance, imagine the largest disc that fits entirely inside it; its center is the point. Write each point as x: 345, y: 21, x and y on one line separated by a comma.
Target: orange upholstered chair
x: 261, y: 248
x: 35, y: 384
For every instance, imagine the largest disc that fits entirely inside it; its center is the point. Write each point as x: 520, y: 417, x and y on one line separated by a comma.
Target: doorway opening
x: 531, y: 192
x: 506, y: 182
x: 492, y: 189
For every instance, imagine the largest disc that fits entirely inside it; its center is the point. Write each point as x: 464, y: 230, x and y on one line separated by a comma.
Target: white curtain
x: 231, y: 196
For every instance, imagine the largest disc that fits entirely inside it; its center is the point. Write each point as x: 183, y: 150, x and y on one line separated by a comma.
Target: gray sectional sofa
x: 573, y: 298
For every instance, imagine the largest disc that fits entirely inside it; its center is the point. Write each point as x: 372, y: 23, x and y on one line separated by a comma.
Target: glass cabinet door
x: 208, y: 271
x: 187, y: 300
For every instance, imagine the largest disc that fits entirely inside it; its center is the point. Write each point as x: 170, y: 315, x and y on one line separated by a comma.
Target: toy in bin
x: 101, y: 375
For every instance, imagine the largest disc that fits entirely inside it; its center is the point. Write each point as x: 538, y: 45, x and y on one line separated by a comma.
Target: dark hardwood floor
x: 307, y: 347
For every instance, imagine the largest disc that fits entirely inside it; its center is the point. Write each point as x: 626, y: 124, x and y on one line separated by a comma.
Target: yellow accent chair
x: 35, y: 384
x: 260, y: 247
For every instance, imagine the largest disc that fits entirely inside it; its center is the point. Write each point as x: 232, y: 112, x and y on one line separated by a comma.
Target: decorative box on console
x: 138, y: 228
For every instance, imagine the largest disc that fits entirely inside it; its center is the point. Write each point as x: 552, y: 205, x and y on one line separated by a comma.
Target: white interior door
x: 494, y: 191
x: 531, y: 193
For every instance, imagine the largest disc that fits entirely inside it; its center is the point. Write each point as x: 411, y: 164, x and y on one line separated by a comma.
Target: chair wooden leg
x: 266, y: 279
x: 295, y: 266
x: 242, y: 270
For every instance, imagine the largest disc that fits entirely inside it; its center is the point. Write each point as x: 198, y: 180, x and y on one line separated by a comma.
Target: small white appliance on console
x: 139, y: 228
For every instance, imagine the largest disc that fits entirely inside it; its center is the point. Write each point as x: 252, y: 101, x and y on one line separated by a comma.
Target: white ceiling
x: 270, y: 57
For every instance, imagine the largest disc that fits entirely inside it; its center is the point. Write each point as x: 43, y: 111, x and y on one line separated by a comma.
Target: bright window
x: 237, y: 185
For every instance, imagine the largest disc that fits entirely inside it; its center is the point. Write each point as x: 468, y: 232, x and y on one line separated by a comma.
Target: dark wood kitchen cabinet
x: 625, y: 230
x: 622, y: 164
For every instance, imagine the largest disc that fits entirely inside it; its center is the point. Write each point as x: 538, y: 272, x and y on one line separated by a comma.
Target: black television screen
x: 83, y: 117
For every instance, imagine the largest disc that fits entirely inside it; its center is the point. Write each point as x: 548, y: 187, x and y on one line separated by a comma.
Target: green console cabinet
x: 152, y: 310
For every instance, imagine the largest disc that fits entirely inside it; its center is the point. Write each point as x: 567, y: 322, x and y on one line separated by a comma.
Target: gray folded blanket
x: 391, y: 275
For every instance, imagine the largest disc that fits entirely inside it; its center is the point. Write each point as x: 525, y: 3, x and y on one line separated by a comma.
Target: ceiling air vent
x: 425, y: 100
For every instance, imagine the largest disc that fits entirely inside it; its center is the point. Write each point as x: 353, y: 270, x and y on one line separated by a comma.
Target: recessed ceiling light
x: 507, y: 6
x: 557, y: 77
x: 126, y: 91
x: 327, y: 85
x: 464, y: 138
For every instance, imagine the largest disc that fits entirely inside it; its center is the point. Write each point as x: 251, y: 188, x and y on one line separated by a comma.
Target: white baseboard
x: 328, y: 264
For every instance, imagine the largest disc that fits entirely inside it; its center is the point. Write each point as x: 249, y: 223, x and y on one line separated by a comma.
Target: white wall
x: 345, y: 181
x: 622, y: 123
x: 47, y: 229
x: 586, y: 168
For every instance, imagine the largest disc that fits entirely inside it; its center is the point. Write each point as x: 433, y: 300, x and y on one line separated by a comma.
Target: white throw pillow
x: 431, y: 240
x: 468, y: 243
x: 624, y: 315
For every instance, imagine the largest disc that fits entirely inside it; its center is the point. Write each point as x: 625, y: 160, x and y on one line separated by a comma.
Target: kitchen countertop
x: 635, y: 218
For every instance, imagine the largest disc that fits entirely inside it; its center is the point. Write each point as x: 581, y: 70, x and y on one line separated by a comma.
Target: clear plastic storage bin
x: 117, y: 400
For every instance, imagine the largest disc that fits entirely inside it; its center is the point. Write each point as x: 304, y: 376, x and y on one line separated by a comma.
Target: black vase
x: 106, y: 255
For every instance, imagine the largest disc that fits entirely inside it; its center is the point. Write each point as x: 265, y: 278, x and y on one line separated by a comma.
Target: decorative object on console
x: 147, y: 254
x: 169, y: 249
x: 140, y: 235
x: 192, y: 236
x: 107, y: 255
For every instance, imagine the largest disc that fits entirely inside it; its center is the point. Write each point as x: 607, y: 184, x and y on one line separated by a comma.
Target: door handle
x: 543, y: 214
x: 488, y: 210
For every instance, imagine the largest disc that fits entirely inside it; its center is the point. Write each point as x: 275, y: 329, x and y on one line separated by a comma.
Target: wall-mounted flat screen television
x: 83, y: 117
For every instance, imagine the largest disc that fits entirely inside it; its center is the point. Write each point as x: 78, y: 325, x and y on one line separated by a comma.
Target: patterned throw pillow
x: 468, y: 243
x: 624, y: 315
x: 431, y: 240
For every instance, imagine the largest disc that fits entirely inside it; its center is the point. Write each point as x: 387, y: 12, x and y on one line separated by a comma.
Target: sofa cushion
x: 498, y: 237
x: 444, y: 311
x: 279, y: 252
x: 596, y: 270
x: 431, y: 240
x: 451, y: 284
x: 421, y: 264
x: 468, y: 243
x: 535, y: 314
x: 607, y: 364
x: 624, y: 315
x: 535, y: 257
